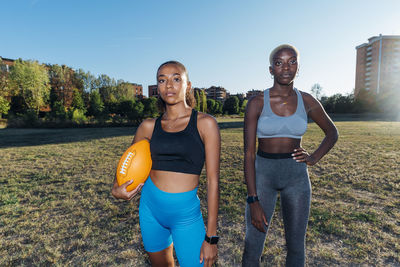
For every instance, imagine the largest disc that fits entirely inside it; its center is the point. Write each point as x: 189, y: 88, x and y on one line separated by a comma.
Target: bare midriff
x: 278, y: 144
x: 174, y: 182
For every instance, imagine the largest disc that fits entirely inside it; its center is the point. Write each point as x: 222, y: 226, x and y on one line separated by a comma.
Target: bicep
x: 250, y: 127
x: 320, y: 117
x: 212, y: 146
x: 144, y: 131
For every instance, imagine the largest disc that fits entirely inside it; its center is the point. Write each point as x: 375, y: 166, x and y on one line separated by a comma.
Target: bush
x: 58, y: 111
x: 231, y: 105
x: 78, y: 116
x: 4, y: 106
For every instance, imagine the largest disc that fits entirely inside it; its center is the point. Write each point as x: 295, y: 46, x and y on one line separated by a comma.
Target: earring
x: 272, y: 76
x: 297, y: 74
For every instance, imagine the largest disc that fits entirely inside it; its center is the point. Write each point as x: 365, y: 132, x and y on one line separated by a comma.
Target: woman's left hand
x: 301, y: 155
x: 208, y: 254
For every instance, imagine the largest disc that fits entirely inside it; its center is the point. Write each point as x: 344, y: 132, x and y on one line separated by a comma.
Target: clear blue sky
x: 221, y: 42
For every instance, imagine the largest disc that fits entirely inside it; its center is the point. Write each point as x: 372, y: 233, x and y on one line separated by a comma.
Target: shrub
x: 78, y: 116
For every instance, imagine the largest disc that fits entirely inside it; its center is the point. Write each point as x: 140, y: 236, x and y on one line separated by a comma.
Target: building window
x: 368, y: 73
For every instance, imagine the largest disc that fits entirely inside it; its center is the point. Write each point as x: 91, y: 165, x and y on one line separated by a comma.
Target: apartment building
x: 216, y: 93
x: 378, y: 65
x: 153, y: 90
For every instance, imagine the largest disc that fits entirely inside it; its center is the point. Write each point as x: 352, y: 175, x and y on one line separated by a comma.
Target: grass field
x: 56, y: 207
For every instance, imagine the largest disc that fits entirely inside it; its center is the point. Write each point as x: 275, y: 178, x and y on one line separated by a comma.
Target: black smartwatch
x: 252, y: 199
x: 211, y: 240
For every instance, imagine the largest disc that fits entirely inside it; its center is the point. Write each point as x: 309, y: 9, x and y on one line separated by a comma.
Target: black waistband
x: 274, y: 155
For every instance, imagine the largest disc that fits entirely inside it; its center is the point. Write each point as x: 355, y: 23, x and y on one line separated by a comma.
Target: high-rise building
x: 378, y: 65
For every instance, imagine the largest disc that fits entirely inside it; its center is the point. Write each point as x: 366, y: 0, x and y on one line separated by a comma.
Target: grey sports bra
x: 270, y: 125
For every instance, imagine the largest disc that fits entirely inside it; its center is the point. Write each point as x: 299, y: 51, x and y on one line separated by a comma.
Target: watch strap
x: 252, y: 199
x: 211, y: 240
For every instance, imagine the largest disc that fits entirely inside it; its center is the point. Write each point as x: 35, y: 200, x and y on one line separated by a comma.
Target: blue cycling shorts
x: 167, y: 218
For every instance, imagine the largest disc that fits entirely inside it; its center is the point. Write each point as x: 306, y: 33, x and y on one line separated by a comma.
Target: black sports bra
x: 178, y: 151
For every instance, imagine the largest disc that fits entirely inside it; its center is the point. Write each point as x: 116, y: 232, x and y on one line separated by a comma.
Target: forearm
x: 213, y: 205
x: 327, y: 143
x: 249, y: 174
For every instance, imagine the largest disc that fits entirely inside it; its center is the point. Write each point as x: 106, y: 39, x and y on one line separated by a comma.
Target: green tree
x: 231, y: 105
x: 203, y: 104
x: 77, y: 101
x: 211, y: 105
x: 32, y: 82
x: 218, y: 107
x: 150, y: 109
x: 131, y: 110
x: 4, y: 106
x: 124, y: 90
x: 243, y: 106
x: 136, y: 115
x: 78, y: 116
x: 63, y: 81
x: 96, y: 105
x: 58, y: 111
x: 197, y: 98
x: 107, y: 87
x: 86, y: 81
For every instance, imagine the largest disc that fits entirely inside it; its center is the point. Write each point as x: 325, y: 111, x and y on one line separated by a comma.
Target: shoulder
x: 148, y: 123
x: 255, y: 104
x: 257, y: 100
x: 145, y: 129
x: 206, y: 121
x: 208, y: 129
x: 310, y: 102
x: 254, y: 107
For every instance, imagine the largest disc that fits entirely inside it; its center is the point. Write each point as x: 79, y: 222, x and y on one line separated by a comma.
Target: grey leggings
x: 291, y: 179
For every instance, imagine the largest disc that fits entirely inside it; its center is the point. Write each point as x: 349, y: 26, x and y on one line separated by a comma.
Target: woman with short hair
x: 278, y: 118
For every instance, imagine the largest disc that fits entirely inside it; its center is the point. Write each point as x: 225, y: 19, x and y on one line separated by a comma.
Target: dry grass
x: 56, y: 207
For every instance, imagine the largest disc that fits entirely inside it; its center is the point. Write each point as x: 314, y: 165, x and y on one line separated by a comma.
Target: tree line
x: 33, y: 94
x: 365, y: 102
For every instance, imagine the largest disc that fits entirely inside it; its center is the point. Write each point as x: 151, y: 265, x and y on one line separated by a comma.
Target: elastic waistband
x: 274, y: 155
x: 163, y: 200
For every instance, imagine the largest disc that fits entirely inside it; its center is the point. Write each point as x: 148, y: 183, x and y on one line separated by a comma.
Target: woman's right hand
x: 121, y: 192
x: 258, y: 217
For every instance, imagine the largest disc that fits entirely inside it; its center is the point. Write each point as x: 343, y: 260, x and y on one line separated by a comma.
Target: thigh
x: 155, y: 236
x: 267, y: 193
x: 187, y: 241
x: 295, y: 203
x: 163, y: 258
x: 267, y: 177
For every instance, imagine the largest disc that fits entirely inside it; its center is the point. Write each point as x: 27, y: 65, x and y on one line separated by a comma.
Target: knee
x: 250, y: 259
